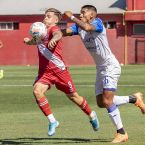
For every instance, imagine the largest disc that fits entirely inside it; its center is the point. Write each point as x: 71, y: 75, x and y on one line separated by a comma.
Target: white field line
x: 19, y: 75
x: 88, y: 86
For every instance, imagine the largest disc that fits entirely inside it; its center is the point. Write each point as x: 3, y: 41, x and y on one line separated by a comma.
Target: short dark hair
x: 90, y: 7
x: 56, y: 12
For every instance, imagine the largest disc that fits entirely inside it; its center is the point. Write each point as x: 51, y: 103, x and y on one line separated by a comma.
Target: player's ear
x: 92, y: 15
x: 56, y: 21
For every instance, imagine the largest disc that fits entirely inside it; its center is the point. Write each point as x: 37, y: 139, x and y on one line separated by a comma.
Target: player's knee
x: 37, y: 93
x: 75, y: 98
x: 105, y: 102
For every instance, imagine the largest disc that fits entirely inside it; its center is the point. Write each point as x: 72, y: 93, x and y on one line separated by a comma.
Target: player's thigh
x: 98, y: 85
x: 105, y: 100
x: 110, y: 77
x: 43, y: 82
x: 108, y: 98
x: 64, y: 82
x: 40, y: 88
x: 106, y: 83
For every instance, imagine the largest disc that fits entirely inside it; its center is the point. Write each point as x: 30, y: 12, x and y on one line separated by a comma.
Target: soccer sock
x: 85, y: 107
x: 44, y: 106
x: 51, y: 118
x: 120, y: 100
x: 114, y: 115
x: 132, y: 99
x: 121, y: 131
x: 92, y: 116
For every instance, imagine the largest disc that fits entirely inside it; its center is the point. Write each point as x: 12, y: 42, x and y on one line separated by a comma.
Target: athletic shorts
x: 62, y: 81
x: 107, y: 78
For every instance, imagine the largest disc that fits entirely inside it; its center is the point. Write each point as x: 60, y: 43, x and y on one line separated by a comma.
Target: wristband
x: 72, y: 17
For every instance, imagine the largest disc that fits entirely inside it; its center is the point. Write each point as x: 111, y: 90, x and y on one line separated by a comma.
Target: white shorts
x: 107, y: 78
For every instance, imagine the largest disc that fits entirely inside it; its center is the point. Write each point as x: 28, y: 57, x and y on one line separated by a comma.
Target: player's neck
x: 48, y: 27
x: 91, y: 20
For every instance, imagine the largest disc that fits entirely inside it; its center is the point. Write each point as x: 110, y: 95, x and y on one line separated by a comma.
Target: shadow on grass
x: 49, y: 141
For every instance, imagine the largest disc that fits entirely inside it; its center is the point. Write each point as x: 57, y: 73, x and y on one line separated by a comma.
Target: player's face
x: 85, y: 15
x: 50, y: 19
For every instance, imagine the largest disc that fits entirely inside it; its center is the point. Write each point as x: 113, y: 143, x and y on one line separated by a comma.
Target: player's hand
x: 52, y: 44
x: 27, y: 41
x: 68, y: 14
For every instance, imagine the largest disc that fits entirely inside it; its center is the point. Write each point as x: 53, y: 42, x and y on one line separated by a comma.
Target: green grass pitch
x: 22, y: 122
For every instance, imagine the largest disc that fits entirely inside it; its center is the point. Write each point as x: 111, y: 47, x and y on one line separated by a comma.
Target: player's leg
x: 38, y: 91
x: 82, y: 103
x: 114, y: 115
x: 118, y: 100
x: 65, y: 84
x: 106, y: 84
x: 136, y: 99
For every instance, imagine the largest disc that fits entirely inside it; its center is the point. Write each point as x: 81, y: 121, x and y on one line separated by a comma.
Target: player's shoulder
x: 55, y: 28
x: 97, y: 21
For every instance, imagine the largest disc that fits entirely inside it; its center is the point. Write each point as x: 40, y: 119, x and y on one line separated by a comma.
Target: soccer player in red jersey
x: 53, y: 70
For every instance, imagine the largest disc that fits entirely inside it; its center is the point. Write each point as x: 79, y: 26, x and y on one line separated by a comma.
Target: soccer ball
x: 38, y: 30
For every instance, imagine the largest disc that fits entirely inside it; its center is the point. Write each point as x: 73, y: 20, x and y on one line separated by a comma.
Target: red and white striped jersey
x: 50, y: 60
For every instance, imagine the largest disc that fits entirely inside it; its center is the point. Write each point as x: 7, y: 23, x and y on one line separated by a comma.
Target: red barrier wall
x: 135, y: 43
x: 135, y: 5
x: 135, y: 50
x: 15, y: 52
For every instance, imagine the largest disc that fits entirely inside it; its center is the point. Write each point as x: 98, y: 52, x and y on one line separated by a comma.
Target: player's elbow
x: 87, y: 29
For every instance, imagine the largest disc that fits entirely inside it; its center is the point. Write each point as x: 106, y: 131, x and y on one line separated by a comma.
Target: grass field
x: 22, y: 122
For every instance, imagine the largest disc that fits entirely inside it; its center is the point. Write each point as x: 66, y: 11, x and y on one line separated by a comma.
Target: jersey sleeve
x: 54, y: 29
x: 74, y: 29
x: 0, y: 41
x: 98, y: 25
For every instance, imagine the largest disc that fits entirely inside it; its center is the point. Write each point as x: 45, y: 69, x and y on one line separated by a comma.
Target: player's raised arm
x: 57, y: 35
x: 30, y: 41
x: 80, y: 22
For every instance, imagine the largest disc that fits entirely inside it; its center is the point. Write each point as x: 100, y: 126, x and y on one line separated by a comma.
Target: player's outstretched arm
x: 83, y: 25
x: 57, y: 35
x: 1, y: 45
x: 67, y: 32
x: 30, y: 41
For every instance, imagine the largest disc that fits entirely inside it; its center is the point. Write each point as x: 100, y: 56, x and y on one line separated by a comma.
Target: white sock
x: 114, y: 115
x: 120, y: 100
x: 51, y: 118
x: 92, y: 116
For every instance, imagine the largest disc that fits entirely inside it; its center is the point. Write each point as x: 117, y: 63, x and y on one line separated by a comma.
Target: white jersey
x: 96, y: 43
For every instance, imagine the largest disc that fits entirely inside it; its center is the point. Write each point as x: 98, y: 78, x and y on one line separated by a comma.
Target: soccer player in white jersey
x: 52, y: 70
x: 93, y: 35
